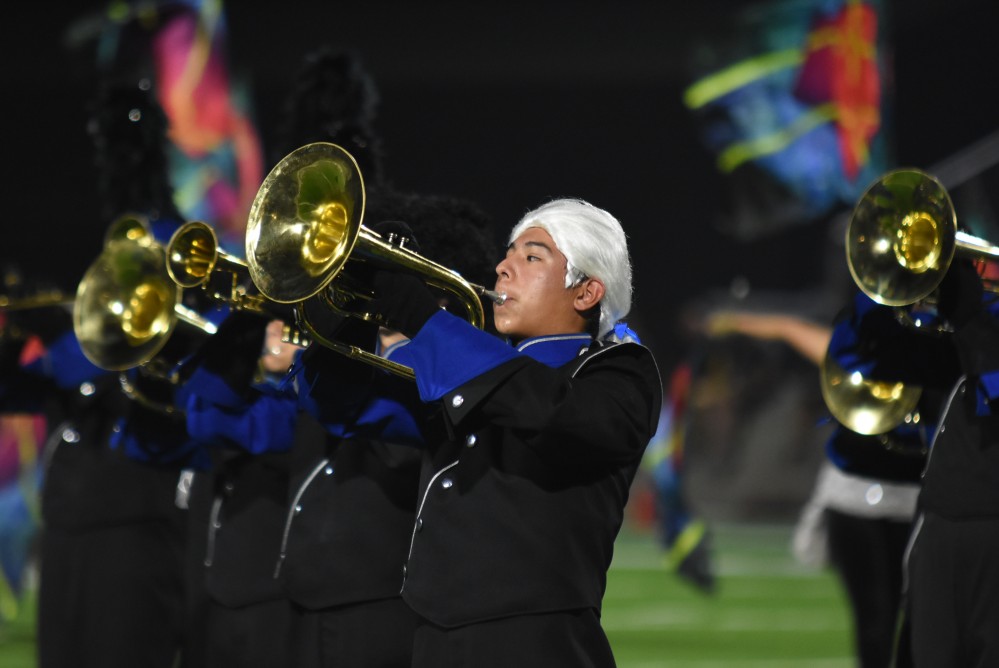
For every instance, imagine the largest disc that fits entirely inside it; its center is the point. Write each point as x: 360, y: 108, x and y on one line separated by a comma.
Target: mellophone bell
x: 307, y: 253
x: 306, y: 245
x: 128, y: 308
x: 900, y: 242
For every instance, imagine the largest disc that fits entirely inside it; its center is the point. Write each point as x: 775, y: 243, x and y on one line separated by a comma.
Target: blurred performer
x: 241, y: 412
x: 111, y: 587
x: 333, y: 99
x: 355, y: 446
x: 531, y: 449
x: 684, y: 536
x: 343, y: 564
x: 338, y: 565
x: 339, y: 569
x: 344, y: 569
x: 252, y: 425
x: 860, y: 513
x: 953, y: 585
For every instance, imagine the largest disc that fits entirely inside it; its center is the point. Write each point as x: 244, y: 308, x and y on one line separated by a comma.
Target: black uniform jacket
x: 90, y: 480
x: 353, y: 498
x: 961, y: 476
x: 239, y: 508
x: 347, y: 531
x: 91, y: 483
x: 520, y: 507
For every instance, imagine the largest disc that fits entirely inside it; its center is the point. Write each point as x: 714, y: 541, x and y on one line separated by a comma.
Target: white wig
x: 594, y: 244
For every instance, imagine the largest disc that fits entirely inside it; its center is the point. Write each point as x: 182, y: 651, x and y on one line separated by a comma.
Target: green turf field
x: 768, y: 612
x: 17, y: 637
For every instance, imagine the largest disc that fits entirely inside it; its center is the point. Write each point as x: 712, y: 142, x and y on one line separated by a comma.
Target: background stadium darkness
x: 506, y: 104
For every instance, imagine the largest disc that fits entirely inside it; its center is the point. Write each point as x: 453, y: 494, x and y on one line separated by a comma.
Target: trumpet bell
x: 125, y: 304
x: 194, y: 258
x: 863, y: 405
x: 192, y: 253
x: 901, y: 238
x: 128, y: 226
x: 304, y: 222
x: 304, y: 227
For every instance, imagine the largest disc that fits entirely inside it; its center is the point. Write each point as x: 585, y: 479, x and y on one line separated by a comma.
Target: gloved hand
x: 233, y: 352
x: 403, y: 300
x: 960, y: 293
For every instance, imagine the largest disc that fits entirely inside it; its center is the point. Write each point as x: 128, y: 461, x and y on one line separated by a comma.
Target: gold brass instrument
x: 127, y: 307
x: 903, y: 236
x: 305, y: 239
x: 194, y: 256
x: 13, y: 283
x: 11, y: 331
x: 44, y: 299
x: 863, y: 405
x: 901, y: 240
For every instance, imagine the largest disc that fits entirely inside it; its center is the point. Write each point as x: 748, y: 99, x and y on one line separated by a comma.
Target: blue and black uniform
x: 523, y: 493
x: 113, y: 538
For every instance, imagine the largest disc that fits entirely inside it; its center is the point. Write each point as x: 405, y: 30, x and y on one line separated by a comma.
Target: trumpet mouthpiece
x: 497, y: 297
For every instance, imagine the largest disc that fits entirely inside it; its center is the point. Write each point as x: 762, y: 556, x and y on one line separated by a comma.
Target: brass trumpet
x: 863, y: 405
x: 127, y: 307
x: 305, y: 239
x: 900, y: 242
x: 44, y: 299
x: 903, y: 236
x: 194, y: 257
x: 13, y: 331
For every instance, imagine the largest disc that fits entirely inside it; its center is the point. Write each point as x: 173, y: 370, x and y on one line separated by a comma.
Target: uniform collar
x: 555, y: 350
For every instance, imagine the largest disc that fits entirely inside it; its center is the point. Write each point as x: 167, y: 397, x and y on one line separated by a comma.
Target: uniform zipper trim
x: 291, y: 515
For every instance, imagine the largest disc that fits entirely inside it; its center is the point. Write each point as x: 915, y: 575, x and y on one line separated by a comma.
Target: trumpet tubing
x: 194, y: 257
x: 44, y: 299
x: 305, y: 239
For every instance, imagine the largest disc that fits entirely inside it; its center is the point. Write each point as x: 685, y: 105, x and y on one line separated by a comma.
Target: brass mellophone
x: 901, y: 240
x: 305, y: 242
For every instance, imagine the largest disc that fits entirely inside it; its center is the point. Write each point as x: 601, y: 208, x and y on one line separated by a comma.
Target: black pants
x: 867, y: 555
x: 111, y: 597
x: 954, y: 592
x: 571, y: 639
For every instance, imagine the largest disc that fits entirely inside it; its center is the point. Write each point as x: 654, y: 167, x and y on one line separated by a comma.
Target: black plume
x: 335, y: 100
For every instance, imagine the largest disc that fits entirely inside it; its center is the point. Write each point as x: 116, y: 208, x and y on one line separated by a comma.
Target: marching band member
x: 950, y: 583
x: 953, y: 585
x: 522, y: 491
x: 111, y: 578
x: 859, y: 515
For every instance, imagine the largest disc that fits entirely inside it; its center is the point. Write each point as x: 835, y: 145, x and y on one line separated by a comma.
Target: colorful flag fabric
x: 215, y: 151
x: 791, y: 103
x: 21, y: 465
x: 216, y: 156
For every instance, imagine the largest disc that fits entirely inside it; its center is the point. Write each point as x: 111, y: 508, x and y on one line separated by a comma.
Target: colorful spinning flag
x: 791, y: 104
